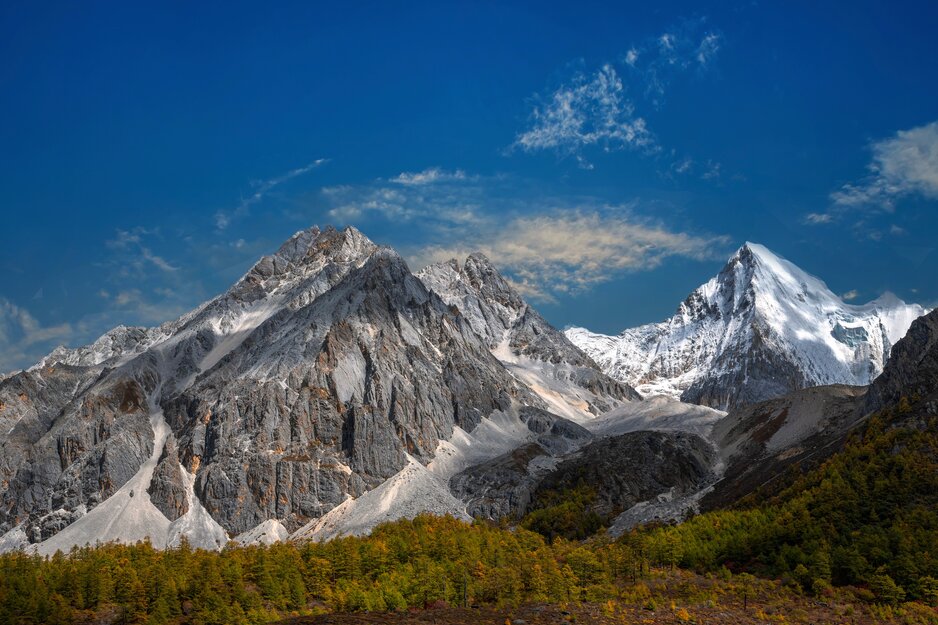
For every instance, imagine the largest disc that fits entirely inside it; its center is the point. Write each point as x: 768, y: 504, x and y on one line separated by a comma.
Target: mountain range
x: 330, y: 389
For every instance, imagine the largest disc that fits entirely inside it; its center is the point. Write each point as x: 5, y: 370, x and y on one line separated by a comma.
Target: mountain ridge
x: 325, y: 372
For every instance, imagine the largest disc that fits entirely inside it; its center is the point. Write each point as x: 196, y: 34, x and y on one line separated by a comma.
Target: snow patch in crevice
x: 411, y: 491
x: 266, y: 533
x: 197, y: 525
x: 127, y: 516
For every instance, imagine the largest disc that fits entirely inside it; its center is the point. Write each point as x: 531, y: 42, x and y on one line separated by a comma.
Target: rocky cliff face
x: 760, y: 329
x: 912, y: 370
x: 759, y: 443
x: 316, y: 377
x: 537, y: 353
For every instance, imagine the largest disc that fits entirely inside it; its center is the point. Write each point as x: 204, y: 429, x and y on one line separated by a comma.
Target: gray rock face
x: 373, y: 370
x: 70, y: 443
x: 622, y: 470
x: 760, y: 442
x: 912, y: 369
x: 167, y: 488
x: 503, y: 487
x: 635, y: 467
x: 518, y: 334
x: 313, y: 378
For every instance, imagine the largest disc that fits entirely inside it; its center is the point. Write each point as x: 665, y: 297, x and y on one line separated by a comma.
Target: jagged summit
x: 304, y: 253
x: 759, y: 329
x: 534, y: 350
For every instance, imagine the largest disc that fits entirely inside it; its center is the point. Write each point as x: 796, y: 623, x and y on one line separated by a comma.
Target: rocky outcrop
x: 504, y: 486
x: 760, y: 443
x: 912, y: 371
x: 167, y: 489
x: 536, y: 352
x: 622, y: 471
x: 635, y: 467
x: 71, y: 444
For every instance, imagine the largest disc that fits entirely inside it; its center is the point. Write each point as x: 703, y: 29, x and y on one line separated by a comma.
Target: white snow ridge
x: 760, y: 320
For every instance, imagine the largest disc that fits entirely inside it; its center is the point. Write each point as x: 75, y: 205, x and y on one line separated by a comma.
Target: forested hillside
x: 867, y: 517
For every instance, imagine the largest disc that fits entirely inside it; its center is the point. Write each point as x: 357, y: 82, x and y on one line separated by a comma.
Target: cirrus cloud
x: 566, y: 252
x: 903, y: 165
x: 23, y: 339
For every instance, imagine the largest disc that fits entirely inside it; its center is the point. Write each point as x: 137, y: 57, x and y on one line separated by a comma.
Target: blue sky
x: 608, y: 158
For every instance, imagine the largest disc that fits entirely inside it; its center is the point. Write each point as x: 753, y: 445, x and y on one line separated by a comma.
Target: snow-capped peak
x: 760, y: 328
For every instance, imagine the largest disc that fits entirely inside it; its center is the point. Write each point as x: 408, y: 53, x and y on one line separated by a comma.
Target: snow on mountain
x: 325, y: 371
x: 412, y: 491
x: 759, y: 329
x: 536, y: 353
x: 267, y: 533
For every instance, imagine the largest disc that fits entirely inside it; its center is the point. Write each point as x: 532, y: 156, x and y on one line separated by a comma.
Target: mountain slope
x: 759, y: 329
x: 868, y: 515
x: 326, y: 370
x: 538, y: 354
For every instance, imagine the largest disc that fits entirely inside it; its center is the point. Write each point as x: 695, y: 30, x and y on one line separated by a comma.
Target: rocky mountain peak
x: 328, y: 368
x: 313, y: 246
x: 486, y: 279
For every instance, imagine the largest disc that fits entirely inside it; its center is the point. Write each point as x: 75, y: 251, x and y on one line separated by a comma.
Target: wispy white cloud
x: 137, y: 252
x: 903, y: 165
x: 23, y: 339
x: 631, y: 57
x: 850, y: 295
x: 571, y: 251
x: 590, y: 110
x: 430, y: 175
x: 818, y: 218
x: 688, y: 46
x: 708, y: 48
x: 151, y: 306
x: 549, y: 246
x: 599, y: 109
x: 223, y: 219
x: 433, y: 194
x: 711, y: 170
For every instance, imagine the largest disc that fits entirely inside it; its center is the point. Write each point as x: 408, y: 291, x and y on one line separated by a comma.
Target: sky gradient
x: 608, y: 158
